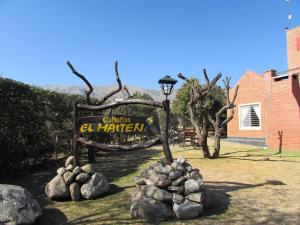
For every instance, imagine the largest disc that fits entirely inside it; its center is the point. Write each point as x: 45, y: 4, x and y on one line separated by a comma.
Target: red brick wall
x: 293, y: 52
x: 283, y: 112
x: 251, y: 90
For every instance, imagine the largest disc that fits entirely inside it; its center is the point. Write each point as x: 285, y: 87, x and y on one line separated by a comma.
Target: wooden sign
x: 114, y: 124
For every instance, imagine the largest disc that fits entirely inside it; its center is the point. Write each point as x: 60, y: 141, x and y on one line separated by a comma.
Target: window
x: 250, y: 117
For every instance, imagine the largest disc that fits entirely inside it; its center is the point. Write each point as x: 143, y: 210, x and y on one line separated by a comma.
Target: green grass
x: 250, y: 185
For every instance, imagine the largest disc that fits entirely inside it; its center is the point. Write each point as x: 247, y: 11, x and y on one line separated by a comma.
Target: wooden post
x: 75, y: 134
x: 165, y: 132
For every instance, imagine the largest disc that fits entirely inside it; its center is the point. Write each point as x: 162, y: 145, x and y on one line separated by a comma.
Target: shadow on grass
x: 51, y: 216
x: 225, y: 186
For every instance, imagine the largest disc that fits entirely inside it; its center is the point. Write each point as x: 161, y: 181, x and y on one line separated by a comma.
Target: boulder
x: 188, y: 167
x: 68, y: 177
x: 75, y: 191
x: 69, y: 161
x: 177, y: 198
x: 76, y: 170
x: 70, y: 168
x: 82, y: 177
x: 191, y: 186
x: 178, y: 181
x: 195, y: 174
x: 57, y: 189
x: 61, y: 171
x: 187, y: 210
x: 207, y: 196
x: 139, y: 180
x: 160, y: 180
x: 147, y: 173
x: 17, y: 205
x: 187, y: 176
x: 169, y: 168
x: 151, y: 210
x: 177, y: 166
x: 89, y: 168
x: 136, y: 194
x: 96, y: 185
x: 156, y: 193
x: 149, y: 182
x: 161, y: 169
x: 181, y: 160
x: 177, y: 189
x: 174, y: 175
x: 196, y: 197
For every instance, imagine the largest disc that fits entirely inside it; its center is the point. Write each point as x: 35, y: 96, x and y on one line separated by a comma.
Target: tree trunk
x: 204, y: 136
x: 217, y: 143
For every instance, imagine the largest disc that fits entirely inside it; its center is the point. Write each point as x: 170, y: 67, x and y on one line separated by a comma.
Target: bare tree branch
x: 128, y: 93
x: 116, y: 104
x: 114, y: 91
x: 109, y: 147
x: 88, y: 93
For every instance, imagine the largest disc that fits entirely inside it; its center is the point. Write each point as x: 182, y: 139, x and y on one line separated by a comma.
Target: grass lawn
x: 251, y: 186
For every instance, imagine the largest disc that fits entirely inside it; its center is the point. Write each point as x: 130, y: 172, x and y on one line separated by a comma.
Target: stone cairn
x: 76, y: 182
x: 166, y: 191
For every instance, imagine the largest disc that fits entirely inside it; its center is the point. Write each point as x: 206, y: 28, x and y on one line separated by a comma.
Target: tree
x: 215, y: 118
x: 198, y: 106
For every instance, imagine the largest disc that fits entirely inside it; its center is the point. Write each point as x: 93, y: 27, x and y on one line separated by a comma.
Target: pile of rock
x: 76, y: 182
x: 166, y: 191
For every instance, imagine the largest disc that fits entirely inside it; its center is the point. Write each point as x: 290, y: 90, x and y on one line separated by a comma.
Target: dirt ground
x: 251, y: 185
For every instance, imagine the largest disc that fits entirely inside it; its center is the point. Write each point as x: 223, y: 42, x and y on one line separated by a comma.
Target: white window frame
x: 260, y: 121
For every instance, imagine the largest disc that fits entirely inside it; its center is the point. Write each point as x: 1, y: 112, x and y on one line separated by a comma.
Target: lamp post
x: 167, y: 83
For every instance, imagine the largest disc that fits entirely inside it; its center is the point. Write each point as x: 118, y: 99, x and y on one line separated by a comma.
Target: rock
x: 177, y: 189
x: 156, y: 164
x: 149, y: 182
x: 160, y: 180
x: 17, y: 205
x: 89, y: 168
x: 196, y: 197
x: 187, y: 210
x: 207, y: 196
x: 151, y: 210
x: 136, y: 194
x: 139, y: 180
x: 69, y: 161
x: 61, y: 171
x: 76, y: 170
x: 195, y: 174
x: 178, y: 181
x: 68, y: 177
x: 147, y: 173
x: 96, y: 185
x: 82, y: 177
x: 191, y: 186
x: 181, y: 160
x: 177, y: 198
x: 174, y: 175
x: 75, y: 191
x: 169, y: 168
x: 178, y: 166
x: 70, y: 167
x: 187, y: 176
x: 160, y: 169
x: 57, y: 189
x: 156, y: 193
x: 188, y: 167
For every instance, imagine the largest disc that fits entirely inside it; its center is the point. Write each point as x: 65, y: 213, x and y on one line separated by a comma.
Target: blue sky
x: 149, y: 38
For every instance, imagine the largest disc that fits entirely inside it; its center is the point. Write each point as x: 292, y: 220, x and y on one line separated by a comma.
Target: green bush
x: 28, y: 118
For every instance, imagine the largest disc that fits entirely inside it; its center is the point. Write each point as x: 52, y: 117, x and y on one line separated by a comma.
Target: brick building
x: 268, y: 106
